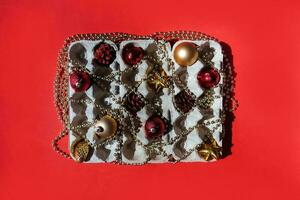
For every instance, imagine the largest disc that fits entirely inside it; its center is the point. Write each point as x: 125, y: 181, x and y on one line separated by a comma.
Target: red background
x: 264, y: 36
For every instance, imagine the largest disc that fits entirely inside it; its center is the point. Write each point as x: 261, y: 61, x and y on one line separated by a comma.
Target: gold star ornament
x: 157, y: 79
x: 210, y: 151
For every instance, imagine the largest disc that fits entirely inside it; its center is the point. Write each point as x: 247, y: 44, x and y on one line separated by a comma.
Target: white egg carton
x: 168, y: 108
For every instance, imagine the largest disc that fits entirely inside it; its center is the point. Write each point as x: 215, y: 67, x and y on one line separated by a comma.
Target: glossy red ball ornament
x: 80, y: 81
x: 155, y: 127
x: 208, y: 77
x: 131, y: 54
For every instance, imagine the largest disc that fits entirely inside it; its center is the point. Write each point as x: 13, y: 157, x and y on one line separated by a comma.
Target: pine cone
x: 104, y: 54
x: 134, y: 102
x: 184, y: 101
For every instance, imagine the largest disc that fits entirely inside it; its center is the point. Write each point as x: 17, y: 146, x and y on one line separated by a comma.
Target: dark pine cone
x: 104, y: 54
x: 134, y: 102
x: 184, y: 101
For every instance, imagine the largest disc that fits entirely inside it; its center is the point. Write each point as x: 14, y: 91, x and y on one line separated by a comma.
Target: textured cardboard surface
x: 192, y: 117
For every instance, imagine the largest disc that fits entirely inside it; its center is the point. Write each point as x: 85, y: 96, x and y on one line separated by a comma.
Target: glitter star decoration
x: 210, y: 151
x: 157, y: 79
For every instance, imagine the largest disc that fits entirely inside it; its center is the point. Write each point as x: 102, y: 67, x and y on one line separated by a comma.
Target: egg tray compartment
x: 109, y: 96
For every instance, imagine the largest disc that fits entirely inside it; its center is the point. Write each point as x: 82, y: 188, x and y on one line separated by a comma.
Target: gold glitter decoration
x: 80, y: 150
x: 210, y: 151
x: 158, y: 79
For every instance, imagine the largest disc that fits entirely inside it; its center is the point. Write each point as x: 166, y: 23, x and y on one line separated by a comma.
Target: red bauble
x: 208, y: 77
x: 80, y: 81
x: 104, y: 54
x: 131, y: 54
x: 155, y: 127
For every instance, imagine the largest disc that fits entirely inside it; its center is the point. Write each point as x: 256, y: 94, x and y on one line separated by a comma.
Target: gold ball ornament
x: 186, y: 54
x: 106, y: 127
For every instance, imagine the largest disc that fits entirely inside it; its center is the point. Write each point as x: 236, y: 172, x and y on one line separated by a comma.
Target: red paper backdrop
x: 264, y: 36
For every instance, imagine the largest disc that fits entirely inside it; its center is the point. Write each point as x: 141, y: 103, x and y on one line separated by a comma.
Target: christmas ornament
x: 134, y: 102
x: 104, y: 54
x: 184, y: 101
x: 80, y: 150
x: 127, y: 117
x: 208, y: 77
x: 155, y: 127
x: 80, y: 81
x: 132, y: 55
x: 105, y: 127
x: 210, y: 151
x: 186, y: 54
x: 157, y: 79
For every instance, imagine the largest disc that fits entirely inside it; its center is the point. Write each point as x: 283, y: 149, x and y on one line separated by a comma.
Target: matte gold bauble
x: 106, y: 127
x: 186, y: 54
x: 80, y: 150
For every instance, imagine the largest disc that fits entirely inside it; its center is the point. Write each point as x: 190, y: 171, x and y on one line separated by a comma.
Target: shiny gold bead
x: 210, y: 151
x: 186, y: 54
x: 80, y: 150
x: 106, y: 127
